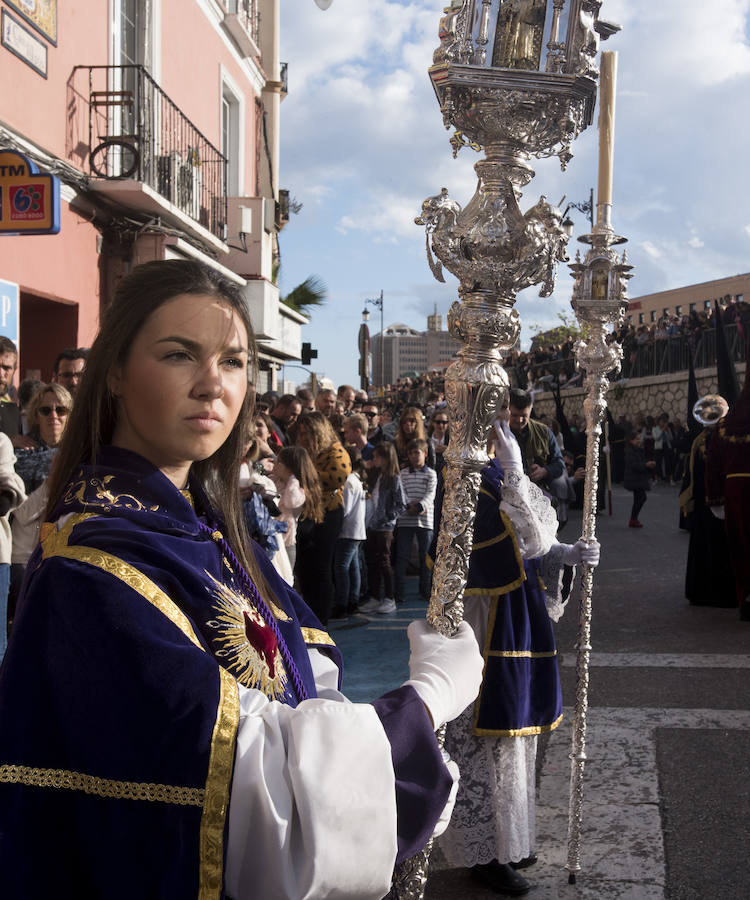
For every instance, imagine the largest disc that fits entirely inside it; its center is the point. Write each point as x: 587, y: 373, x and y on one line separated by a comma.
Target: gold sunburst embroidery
x: 235, y: 622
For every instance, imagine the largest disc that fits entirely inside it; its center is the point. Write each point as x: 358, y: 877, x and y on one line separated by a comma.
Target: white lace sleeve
x: 552, y: 573
x: 531, y: 514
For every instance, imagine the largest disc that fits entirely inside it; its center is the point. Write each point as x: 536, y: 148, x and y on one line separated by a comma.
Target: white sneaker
x: 387, y: 607
x: 370, y: 605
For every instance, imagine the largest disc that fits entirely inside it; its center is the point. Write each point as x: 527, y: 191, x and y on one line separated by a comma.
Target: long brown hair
x: 317, y: 433
x: 390, y: 468
x: 94, y: 415
x: 401, y: 439
x: 298, y: 461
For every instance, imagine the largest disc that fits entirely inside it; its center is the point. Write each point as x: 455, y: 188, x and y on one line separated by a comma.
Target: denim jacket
x: 386, y: 505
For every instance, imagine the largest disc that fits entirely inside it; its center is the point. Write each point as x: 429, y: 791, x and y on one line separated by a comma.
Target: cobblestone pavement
x: 667, y: 779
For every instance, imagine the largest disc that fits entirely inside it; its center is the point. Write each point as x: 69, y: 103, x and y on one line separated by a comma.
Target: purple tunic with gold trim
x: 119, y: 695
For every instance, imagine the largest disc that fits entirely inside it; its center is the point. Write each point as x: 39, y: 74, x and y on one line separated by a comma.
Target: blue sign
x: 9, y: 310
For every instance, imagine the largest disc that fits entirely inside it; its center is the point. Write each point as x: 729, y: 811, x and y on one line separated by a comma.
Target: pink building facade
x: 161, y: 120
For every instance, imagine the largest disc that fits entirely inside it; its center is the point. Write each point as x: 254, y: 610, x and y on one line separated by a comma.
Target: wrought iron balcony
x: 137, y: 133
x: 245, y: 15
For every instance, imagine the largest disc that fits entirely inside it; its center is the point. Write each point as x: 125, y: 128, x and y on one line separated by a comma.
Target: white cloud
x: 651, y: 249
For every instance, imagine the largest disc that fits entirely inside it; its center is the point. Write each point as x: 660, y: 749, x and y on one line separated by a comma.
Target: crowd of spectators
x: 373, y: 465
x: 648, y: 348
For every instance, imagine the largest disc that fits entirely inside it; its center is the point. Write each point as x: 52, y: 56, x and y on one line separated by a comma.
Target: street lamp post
x: 378, y: 303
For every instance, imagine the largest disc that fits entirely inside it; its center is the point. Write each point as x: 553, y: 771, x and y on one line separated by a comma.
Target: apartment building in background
x: 160, y: 118
x: 406, y: 351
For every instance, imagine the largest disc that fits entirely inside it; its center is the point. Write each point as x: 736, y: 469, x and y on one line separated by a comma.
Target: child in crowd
x: 259, y: 495
x: 386, y: 505
x: 299, y: 492
x: 346, y: 570
x: 637, y: 475
x: 420, y: 483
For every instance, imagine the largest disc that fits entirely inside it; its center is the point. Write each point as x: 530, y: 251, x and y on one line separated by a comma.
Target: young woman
x: 160, y: 674
x: 299, y: 493
x: 438, y: 434
x: 387, y: 503
x: 411, y: 426
x: 316, y: 541
x: 346, y: 572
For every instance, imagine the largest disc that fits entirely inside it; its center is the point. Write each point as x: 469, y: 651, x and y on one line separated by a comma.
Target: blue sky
x: 363, y: 144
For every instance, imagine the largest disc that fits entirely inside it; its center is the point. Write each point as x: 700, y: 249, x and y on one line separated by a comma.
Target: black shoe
x: 524, y: 863
x: 500, y: 878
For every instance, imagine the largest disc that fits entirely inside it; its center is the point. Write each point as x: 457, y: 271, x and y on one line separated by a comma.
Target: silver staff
x: 599, y: 300
x: 502, y: 93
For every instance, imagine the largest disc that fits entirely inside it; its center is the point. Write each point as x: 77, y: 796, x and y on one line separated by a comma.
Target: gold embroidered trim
x: 316, y: 636
x: 217, y: 788
x: 523, y: 654
x: 733, y: 438
x: 102, y: 787
x: 517, y: 732
x: 739, y: 475
x: 495, y: 540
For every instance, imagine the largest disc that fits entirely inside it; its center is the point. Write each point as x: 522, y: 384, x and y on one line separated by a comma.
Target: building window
x: 652, y: 316
x: 678, y: 310
x: 706, y: 304
x: 692, y: 307
x: 640, y: 318
x: 739, y: 298
x: 230, y: 137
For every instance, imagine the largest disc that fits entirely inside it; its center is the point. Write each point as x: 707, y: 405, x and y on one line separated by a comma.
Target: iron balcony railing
x: 249, y: 15
x: 137, y: 132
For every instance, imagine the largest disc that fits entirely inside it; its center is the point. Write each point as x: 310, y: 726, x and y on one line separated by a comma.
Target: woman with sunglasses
x: 47, y: 415
x: 170, y: 720
x: 411, y: 426
x: 437, y: 433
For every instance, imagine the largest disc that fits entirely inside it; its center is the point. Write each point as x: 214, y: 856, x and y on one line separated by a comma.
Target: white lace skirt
x: 495, y: 813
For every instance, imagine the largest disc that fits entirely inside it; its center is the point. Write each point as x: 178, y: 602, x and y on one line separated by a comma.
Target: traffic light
x: 308, y: 354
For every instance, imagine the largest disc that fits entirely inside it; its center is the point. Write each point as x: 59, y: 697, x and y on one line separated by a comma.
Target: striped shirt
x: 419, y: 487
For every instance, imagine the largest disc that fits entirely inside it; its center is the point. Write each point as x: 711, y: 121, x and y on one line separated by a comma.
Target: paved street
x: 667, y: 781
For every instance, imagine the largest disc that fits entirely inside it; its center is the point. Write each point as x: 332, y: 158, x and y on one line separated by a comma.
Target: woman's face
x: 183, y: 384
x: 53, y: 417
x: 409, y: 424
x: 261, y: 430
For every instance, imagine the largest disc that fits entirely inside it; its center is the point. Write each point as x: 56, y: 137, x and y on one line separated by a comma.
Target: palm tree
x: 311, y: 292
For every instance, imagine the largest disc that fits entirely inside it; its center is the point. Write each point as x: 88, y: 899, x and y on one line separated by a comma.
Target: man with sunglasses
x: 69, y: 367
x: 371, y: 412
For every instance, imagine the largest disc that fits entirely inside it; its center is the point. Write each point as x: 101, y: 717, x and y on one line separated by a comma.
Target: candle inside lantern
x: 607, y: 83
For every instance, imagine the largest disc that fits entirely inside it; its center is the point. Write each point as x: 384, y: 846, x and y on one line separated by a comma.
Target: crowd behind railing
x: 657, y: 348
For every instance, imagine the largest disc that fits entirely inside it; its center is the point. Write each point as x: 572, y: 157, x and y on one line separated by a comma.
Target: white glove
x: 581, y: 552
x: 445, y: 815
x: 445, y: 672
x: 506, y: 448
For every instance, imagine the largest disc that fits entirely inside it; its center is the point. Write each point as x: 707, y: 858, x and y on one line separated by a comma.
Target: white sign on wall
x: 9, y: 310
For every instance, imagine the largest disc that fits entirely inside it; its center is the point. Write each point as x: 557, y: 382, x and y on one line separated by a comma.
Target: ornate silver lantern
x: 517, y: 79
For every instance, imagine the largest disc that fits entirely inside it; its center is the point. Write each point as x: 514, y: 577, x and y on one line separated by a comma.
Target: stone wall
x: 649, y: 396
